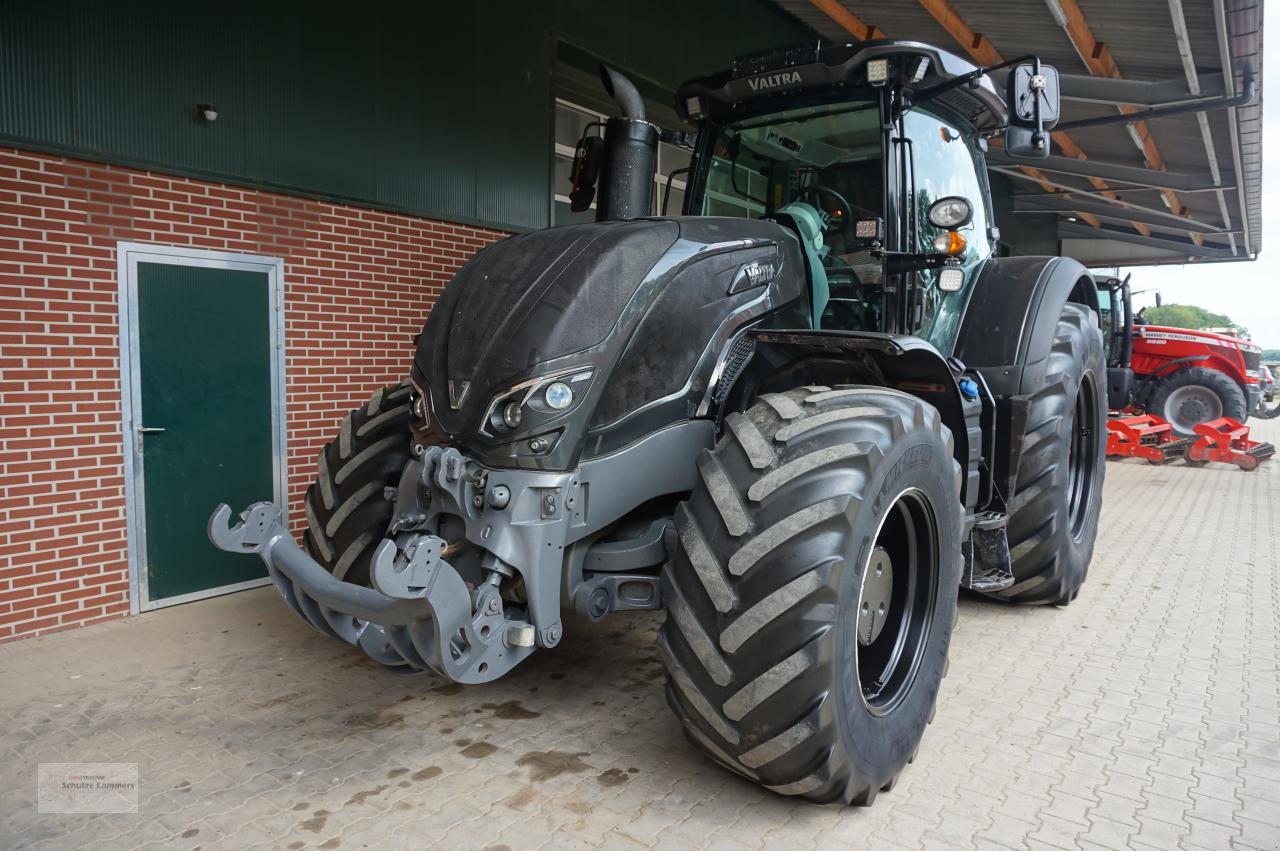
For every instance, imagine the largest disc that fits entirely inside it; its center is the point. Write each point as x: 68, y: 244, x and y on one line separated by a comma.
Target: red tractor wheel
x: 1197, y: 395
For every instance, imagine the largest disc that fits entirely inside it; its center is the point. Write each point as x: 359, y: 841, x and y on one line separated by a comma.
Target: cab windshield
x: 821, y: 169
x: 818, y: 169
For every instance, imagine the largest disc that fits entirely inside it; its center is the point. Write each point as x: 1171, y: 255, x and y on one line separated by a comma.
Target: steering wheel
x: 832, y: 222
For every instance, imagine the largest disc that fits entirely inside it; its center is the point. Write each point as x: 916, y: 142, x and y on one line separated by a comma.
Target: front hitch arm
x: 419, y: 615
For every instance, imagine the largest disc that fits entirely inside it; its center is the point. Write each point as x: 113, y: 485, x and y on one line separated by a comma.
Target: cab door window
x: 947, y: 162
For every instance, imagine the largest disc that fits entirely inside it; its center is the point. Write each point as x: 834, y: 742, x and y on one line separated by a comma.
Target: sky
x: 1247, y: 292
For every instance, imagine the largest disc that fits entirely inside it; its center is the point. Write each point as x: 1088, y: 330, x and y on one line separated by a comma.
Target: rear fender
x: 788, y: 358
x: 1007, y: 335
x: 1009, y: 323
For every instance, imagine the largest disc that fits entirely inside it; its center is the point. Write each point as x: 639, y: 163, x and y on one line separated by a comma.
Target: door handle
x: 148, y: 430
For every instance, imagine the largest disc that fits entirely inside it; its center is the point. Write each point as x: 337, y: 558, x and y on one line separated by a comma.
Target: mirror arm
x: 964, y: 79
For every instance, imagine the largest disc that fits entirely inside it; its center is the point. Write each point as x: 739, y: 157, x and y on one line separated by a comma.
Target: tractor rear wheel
x: 347, y: 513
x: 1192, y: 396
x: 1053, y: 513
x: 812, y: 594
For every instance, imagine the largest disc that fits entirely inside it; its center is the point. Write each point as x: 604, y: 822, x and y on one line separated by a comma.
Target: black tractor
x: 798, y: 417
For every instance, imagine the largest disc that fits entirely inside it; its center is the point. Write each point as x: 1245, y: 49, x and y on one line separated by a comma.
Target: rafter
x: 984, y: 53
x: 974, y: 43
x: 859, y: 29
x: 851, y: 23
x: 1098, y: 59
x: 1139, y: 178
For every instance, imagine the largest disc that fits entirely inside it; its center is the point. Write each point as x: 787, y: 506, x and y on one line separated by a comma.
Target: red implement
x: 1227, y: 440
x: 1145, y: 436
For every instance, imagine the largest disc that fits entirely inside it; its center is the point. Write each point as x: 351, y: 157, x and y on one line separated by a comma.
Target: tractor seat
x: 805, y: 221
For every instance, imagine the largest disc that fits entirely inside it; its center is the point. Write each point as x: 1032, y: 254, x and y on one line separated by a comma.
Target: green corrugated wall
x: 442, y: 110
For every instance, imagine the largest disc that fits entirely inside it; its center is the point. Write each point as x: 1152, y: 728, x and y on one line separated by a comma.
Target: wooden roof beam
x: 861, y: 30
x: 984, y: 53
x: 850, y: 22
x: 1098, y: 59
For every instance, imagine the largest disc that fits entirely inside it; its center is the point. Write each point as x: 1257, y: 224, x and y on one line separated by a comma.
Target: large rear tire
x: 1053, y: 514
x: 347, y: 512
x: 1197, y: 395
x: 811, y: 597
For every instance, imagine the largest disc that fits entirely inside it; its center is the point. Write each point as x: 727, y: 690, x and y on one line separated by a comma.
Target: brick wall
x: 358, y: 284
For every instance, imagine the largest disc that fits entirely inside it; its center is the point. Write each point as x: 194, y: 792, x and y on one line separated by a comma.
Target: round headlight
x: 951, y: 212
x: 558, y: 395
x: 511, y: 415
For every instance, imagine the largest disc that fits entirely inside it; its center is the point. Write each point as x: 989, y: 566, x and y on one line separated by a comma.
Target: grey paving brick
x: 1144, y: 715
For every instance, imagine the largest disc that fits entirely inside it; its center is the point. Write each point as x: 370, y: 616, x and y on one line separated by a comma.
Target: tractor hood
x: 565, y: 304
x: 1212, y: 338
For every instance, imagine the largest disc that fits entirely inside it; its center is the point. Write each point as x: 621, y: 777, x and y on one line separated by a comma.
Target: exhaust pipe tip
x: 624, y: 92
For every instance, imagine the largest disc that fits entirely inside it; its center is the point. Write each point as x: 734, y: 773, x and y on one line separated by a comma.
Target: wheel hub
x: 877, y: 591
x: 1190, y: 405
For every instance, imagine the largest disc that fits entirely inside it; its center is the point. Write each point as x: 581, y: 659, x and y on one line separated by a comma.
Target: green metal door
x: 203, y: 421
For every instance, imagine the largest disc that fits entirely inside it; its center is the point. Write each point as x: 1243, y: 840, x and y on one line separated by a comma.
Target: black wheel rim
x: 896, y: 602
x: 1082, y: 457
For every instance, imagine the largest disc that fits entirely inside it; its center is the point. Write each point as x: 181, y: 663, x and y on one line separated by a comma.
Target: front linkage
x: 421, y: 613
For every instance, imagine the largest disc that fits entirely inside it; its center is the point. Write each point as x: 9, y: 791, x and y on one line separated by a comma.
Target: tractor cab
x: 873, y: 155
x: 1115, y: 310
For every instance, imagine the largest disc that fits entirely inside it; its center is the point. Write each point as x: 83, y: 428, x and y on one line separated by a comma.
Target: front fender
x: 900, y: 362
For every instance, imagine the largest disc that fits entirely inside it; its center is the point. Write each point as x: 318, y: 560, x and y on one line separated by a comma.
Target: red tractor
x: 1186, y: 377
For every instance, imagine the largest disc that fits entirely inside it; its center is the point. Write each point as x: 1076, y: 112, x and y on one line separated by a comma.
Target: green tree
x: 1190, y: 316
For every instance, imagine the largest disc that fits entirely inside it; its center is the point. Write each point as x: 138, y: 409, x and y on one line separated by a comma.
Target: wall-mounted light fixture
x: 207, y: 112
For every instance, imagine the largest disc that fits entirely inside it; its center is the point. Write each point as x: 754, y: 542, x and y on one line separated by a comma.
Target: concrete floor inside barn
x: 1145, y: 714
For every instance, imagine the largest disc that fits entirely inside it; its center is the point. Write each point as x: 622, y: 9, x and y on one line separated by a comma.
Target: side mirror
x: 586, y: 168
x: 1035, y: 103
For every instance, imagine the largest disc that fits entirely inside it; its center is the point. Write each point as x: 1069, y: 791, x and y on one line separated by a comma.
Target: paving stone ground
x: 1147, y: 714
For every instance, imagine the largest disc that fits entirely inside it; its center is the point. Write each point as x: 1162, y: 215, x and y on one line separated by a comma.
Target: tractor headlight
x: 512, y: 414
x: 530, y: 404
x: 558, y: 395
x: 951, y: 279
x: 950, y: 212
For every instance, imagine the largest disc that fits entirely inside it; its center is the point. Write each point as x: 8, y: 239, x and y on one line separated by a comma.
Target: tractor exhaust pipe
x: 630, y: 154
x: 624, y: 92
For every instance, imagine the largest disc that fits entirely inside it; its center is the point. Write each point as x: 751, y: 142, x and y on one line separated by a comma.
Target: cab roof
x: 765, y: 82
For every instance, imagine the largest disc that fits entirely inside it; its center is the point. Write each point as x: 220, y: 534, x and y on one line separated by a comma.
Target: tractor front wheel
x: 347, y: 511
x: 812, y: 594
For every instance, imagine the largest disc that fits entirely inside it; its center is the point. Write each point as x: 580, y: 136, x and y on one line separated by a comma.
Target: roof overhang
x: 762, y: 82
x: 1126, y: 186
